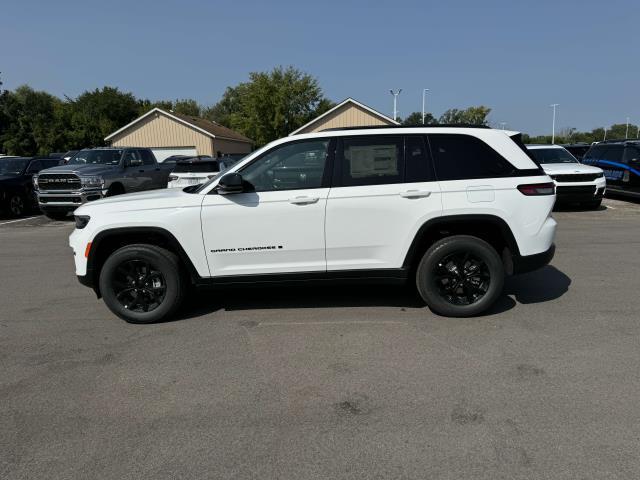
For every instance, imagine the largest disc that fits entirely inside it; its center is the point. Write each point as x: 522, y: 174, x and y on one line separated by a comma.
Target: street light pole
x: 424, y: 95
x: 626, y: 135
x: 395, y: 102
x: 553, y: 125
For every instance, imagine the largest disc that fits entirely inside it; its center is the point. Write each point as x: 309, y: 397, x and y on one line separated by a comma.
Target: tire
x: 16, y: 205
x: 115, y: 189
x: 442, y: 268
x: 142, y: 283
x: 56, y: 215
x: 594, y: 205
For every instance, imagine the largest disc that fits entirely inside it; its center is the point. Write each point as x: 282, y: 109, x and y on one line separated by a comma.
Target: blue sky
x: 516, y: 58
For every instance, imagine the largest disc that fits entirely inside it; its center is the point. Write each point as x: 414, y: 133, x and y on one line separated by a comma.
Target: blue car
x: 620, y: 160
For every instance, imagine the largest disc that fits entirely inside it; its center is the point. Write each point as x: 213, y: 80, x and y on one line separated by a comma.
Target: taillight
x: 537, y: 189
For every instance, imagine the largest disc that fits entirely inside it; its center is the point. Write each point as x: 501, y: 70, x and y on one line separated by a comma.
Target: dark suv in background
x: 620, y: 160
x: 16, y: 185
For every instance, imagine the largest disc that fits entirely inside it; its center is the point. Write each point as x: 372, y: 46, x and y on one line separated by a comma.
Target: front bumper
x: 72, y: 200
x: 580, y: 192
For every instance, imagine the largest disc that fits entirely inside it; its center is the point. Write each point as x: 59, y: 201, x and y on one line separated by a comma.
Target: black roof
x: 623, y: 140
x: 377, y: 127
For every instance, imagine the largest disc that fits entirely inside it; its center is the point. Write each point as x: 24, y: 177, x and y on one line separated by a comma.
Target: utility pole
x: 395, y: 102
x: 626, y: 135
x: 424, y: 95
x: 605, y: 134
x: 553, y: 125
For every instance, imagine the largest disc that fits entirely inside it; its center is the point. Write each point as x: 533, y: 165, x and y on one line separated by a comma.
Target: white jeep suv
x: 452, y: 209
x: 575, y: 182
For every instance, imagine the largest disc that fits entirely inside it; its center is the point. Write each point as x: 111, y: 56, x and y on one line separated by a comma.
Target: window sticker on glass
x: 372, y: 160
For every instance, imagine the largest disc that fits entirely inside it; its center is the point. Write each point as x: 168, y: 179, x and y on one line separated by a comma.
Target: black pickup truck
x: 96, y: 173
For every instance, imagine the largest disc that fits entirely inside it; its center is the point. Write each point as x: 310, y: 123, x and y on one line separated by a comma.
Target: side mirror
x: 134, y: 162
x: 230, y: 183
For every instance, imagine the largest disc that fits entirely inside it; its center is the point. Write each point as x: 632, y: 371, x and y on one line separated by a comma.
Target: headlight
x: 35, y: 182
x: 92, y: 181
x: 600, y: 175
x: 82, y: 220
x: 173, y: 178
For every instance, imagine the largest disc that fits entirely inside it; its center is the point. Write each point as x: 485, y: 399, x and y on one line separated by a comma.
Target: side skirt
x: 384, y: 276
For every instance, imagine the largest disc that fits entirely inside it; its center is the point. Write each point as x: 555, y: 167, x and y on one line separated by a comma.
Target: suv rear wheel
x: 460, y: 276
x: 142, y: 283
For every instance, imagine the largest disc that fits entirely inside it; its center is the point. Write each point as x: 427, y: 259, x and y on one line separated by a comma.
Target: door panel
x: 265, y: 232
x: 371, y: 227
x: 278, y: 224
x: 385, y: 192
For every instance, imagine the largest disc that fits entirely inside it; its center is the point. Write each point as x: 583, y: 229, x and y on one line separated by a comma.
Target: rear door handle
x: 415, y: 193
x: 303, y: 200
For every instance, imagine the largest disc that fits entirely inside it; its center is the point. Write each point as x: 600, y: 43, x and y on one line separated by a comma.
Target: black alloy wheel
x: 138, y: 286
x: 142, y: 283
x: 16, y: 205
x: 462, y: 278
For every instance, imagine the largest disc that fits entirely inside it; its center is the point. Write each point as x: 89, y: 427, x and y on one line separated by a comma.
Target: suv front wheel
x: 460, y: 276
x: 142, y: 283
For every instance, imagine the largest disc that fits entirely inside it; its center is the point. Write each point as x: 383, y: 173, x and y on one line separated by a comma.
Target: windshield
x: 552, y: 155
x: 13, y: 166
x: 96, y: 157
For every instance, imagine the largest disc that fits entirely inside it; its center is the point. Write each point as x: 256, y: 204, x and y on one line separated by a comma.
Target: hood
x: 171, y: 198
x: 91, y: 169
x: 568, y: 168
x: 8, y: 178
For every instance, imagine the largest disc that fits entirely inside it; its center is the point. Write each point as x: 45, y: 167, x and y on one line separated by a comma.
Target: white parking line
x: 19, y: 220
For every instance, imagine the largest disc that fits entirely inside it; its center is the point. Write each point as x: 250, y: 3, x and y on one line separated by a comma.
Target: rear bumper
x: 528, y: 263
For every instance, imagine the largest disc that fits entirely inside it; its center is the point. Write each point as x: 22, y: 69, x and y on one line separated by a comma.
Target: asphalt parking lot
x: 328, y: 382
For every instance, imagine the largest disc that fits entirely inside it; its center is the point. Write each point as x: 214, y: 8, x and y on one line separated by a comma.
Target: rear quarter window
x: 458, y: 157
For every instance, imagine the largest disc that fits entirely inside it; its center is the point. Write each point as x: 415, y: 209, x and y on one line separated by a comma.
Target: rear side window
x: 458, y: 157
x: 417, y: 160
x: 613, y: 153
x: 631, y: 155
x: 372, y: 160
x: 196, y: 167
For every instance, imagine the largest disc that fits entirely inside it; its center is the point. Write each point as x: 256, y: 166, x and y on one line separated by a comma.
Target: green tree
x: 145, y: 105
x: 96, y: 114
x: 28, y: 122
x: 187, y: 106
x: 415, y: 119
x: 472, y: 115
x: 271, y: 104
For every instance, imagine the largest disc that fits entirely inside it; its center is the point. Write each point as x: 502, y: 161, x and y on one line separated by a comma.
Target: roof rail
x: 377, y: 127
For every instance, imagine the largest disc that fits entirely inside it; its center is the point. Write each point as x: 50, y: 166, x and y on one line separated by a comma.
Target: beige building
x: 349, y: 113
x: 169, y: 133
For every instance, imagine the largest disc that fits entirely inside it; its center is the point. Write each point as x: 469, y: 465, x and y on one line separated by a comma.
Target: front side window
x: 458, y: 157
x: 553, y: 155
x: 372, y: 160
x: 292, y: 166
x: 132, y: 158
x: 147, y: 157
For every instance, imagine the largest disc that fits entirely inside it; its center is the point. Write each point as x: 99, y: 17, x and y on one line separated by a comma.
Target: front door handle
x: 140, y: 171
x: 303, y: 200
x: 415, y: 193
